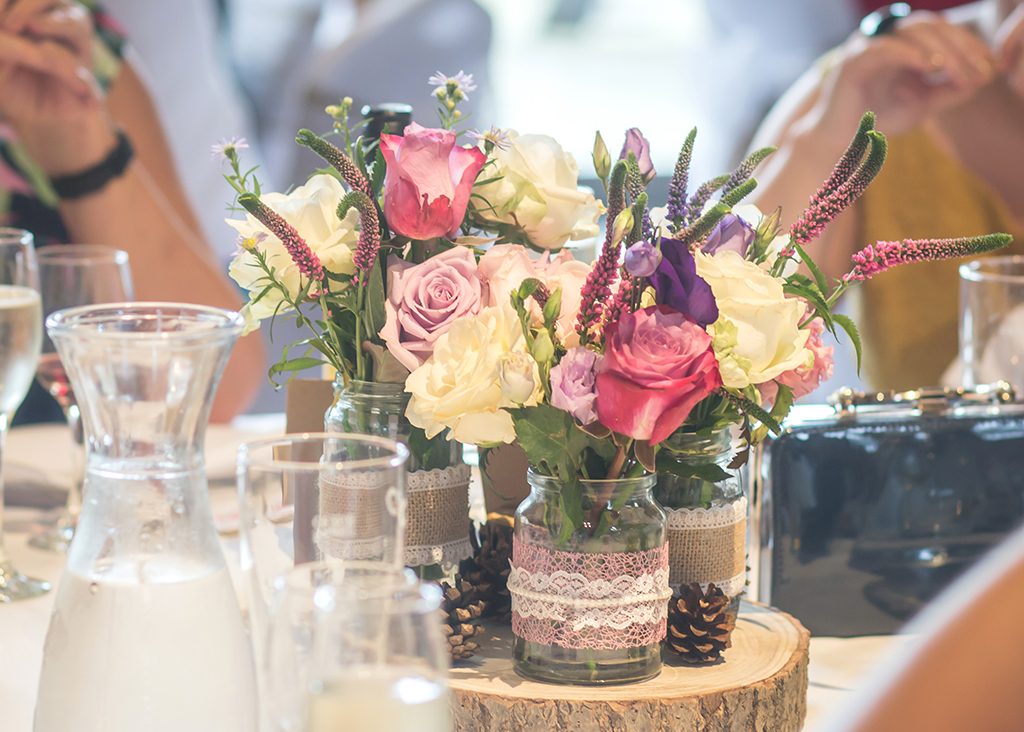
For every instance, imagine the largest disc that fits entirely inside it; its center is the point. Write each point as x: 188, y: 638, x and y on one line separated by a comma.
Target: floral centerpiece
x: 439, y: 268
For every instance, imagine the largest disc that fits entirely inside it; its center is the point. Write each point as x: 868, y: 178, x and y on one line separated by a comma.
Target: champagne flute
x: 21, y: 337
x: 70, y: 276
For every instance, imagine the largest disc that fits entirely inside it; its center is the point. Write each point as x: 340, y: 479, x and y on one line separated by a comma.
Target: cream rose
x: 461, y: 386
x: 757, y: 335
x: 312, y: 210
x: 504, y: 267
x: 536, y: 189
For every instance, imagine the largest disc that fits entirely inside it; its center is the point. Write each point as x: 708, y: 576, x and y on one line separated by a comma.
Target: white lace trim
x: 439, y: 478
x: 357, y: 549
x: 570, y: 597
x: 731, y: 587
x: 716, y: 517
x: 447, y: 555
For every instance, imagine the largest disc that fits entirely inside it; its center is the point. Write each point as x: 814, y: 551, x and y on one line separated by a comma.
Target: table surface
x: 37, y: 466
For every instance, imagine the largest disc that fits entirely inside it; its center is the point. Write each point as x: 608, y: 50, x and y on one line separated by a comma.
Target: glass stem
x: 3, y: 441
x: 74, y: 502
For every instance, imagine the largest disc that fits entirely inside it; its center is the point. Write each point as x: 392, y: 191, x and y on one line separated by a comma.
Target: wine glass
x: 357, y: 646
x: 70, y: 276
x: 21, y: 337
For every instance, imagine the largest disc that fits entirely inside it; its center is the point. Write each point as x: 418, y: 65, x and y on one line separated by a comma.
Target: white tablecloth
x: 38, y: 460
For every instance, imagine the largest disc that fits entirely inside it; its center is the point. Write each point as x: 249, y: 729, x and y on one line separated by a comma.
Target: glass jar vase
x: 589, y: 603
x: 707, y: 511
x: 437, y: 488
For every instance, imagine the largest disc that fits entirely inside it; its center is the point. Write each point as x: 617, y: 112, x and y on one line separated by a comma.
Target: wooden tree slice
x: 760, y: 685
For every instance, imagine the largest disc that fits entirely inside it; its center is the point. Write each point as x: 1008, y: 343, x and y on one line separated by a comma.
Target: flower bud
x: 642, y: 259
x: 543, y: 350
x: 602, y: 158
x: 518, y: 377
x: 623, y: 225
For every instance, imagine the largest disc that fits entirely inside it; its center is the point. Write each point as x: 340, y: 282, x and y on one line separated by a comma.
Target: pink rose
x: 657, y: 366
x: 804, y: 378
x: 425, y: 299
x: 504, y: 267
x: 428, y: 181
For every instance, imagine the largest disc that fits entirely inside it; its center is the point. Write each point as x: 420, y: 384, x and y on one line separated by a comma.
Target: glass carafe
x: 146, y: 633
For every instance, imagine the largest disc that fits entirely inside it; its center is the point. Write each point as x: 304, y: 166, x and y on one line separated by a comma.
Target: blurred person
x: 85, y: 160
x: 948, y: 90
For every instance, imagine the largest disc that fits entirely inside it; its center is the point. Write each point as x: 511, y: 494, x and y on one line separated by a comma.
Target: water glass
x: 356, y: 646
x: 70, y: 276
x: 992, y: 321
x: 21, y: 336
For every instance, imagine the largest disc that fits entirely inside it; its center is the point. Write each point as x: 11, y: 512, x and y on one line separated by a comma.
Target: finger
x: 46, y: 58
x: 69, y: 26
x: 19, y: 12
x: 1009, y: 40
x: 951, y: 50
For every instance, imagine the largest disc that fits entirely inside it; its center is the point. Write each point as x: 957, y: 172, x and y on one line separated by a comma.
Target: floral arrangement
x: 443, y: 264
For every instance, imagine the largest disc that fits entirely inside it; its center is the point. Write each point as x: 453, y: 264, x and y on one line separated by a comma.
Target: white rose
x: 519, y: 377
x: 460, y: 386
x: 312, y: 210
x: 757, y: 335
x: 537, y: 190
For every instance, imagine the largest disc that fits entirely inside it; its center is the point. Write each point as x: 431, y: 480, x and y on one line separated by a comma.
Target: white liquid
x: 381, y: 700
x: 21, y: 339
x: 164, y: 654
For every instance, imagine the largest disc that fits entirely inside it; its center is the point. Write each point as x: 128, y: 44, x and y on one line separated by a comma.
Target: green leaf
x: 430, y: 453
x: 783, y: 403
x: 847, y: 324
x: 819, y: 276
x: 812, y: 296
x: 708, y: 472
x: 375, y: 296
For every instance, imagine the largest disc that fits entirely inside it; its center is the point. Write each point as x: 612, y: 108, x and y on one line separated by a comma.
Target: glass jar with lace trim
x: 589, y: 607
x: 437, y: 487
x: 707, y: 511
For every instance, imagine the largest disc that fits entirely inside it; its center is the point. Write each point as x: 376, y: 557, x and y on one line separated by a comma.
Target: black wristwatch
x: 884, y: 20
x: 98, y: 176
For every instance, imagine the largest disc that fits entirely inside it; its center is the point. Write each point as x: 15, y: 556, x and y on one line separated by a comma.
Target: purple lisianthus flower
x: 574, y: 384
x: 642, y: 259
x: 677, y: 284
x: 637, y: 144
x: 732, y: 233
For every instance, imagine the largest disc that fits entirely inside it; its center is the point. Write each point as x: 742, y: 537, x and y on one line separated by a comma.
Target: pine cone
x: 700, y: 624
x: 488, y: 568
x: 461, y: 610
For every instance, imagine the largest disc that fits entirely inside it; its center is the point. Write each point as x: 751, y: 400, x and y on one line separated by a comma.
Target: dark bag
x: 864, y: 510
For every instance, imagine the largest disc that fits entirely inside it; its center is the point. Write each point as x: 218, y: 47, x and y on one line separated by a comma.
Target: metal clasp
x: 933, y: 400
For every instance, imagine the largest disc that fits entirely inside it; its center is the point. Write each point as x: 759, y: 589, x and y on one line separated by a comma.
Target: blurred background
x: 263, y: 68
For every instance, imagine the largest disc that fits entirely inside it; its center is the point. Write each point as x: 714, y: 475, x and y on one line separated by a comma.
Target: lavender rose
x: 677, y: 285
x: 574, y: 384
x: 732, y: 233
x: 637, y: 144
x: 425, y: 299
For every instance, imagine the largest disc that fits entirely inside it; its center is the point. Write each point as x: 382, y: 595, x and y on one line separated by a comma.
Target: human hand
x: 924, y: 66
x: 47, y: 89
x: 1009, y: 45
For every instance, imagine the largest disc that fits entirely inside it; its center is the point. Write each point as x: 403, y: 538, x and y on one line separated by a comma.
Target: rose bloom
x: 424, y: 300
x: 428, y: 181
x: 537, y: 190
x: 757, y: 335
x: 657, y: 366
x: 504, y: 267
x: 806, y: 377
x: 312, y: 210
x: 460, y: 385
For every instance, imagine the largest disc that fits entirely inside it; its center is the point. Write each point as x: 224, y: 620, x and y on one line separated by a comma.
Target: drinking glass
x: 21, y: 336
x: 70, y: 276
x: 356, y: 646
x: 992, y: 321
x: 312, y: 497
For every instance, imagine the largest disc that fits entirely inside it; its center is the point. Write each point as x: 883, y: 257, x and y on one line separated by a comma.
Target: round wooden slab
x: 761, y: 684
